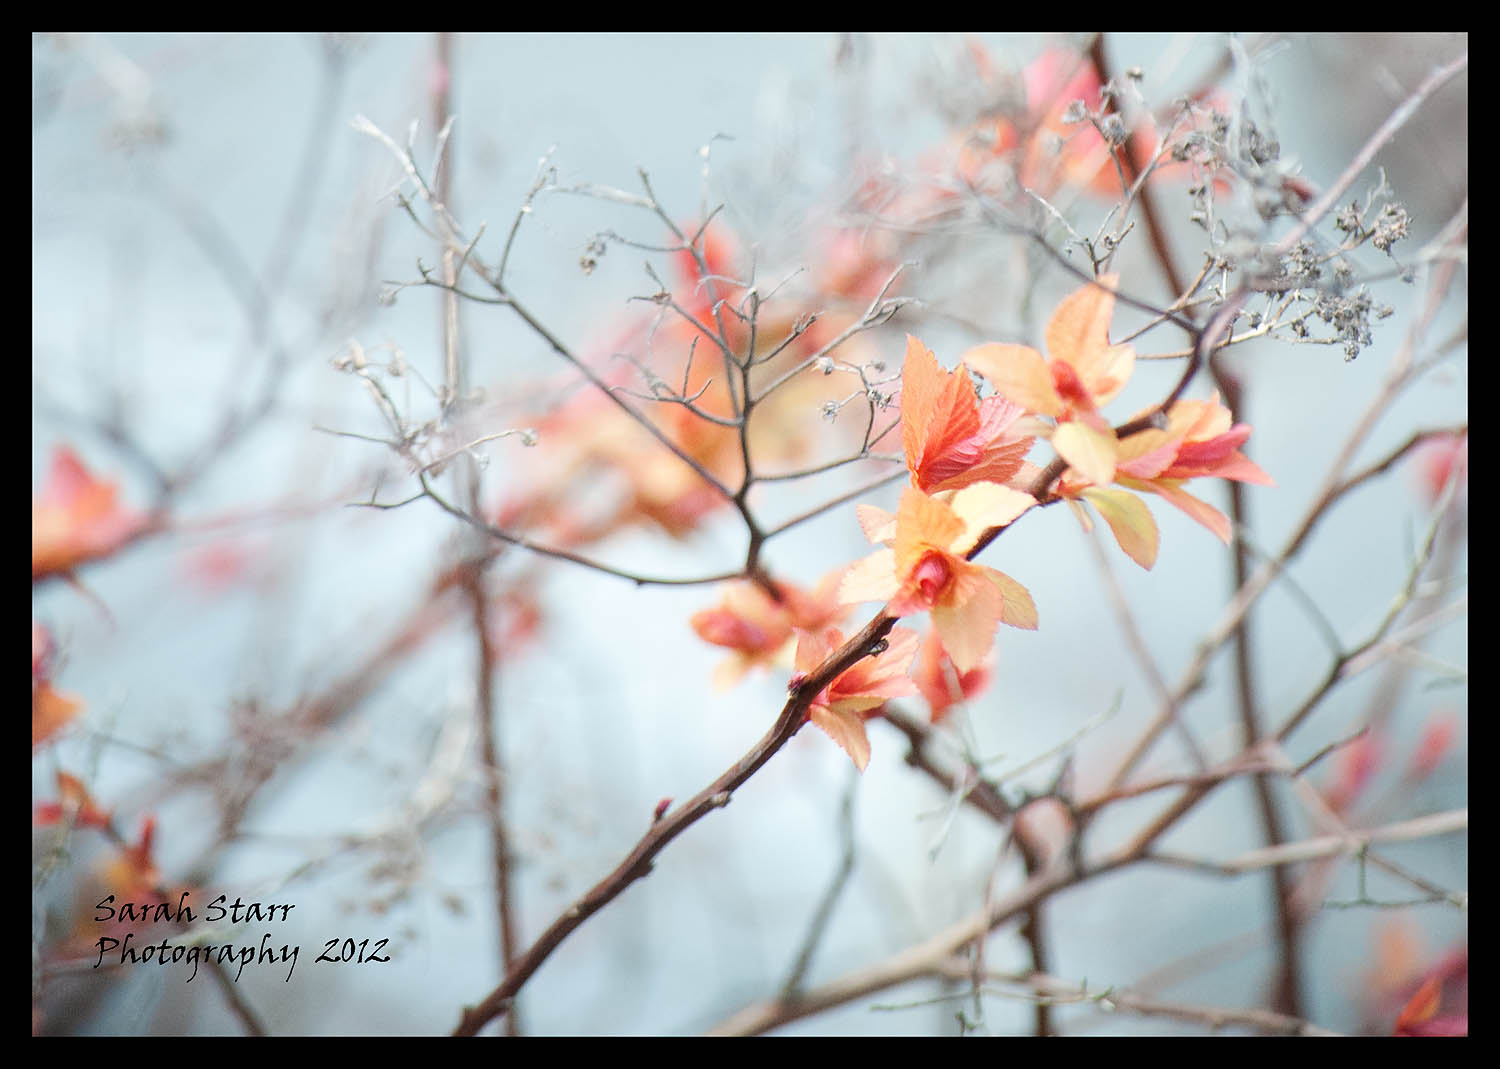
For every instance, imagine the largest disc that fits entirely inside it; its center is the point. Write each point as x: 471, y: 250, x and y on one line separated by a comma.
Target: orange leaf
x: 938, y: 411
x: 927, y: 570
x: 940, y: 681
x: 921, y: 383
x: 847, y: 729
x: 1079, y: 328
x: 999, y: 464
x: 74, y: 805
x: 759, y: 628
x: 923, y: 523
x: 50, y: 710
x: 50, y: 713
x: 1078, y: 333
x: 1018, y: 373
x: 951, y: 438
x: 132, y: 869
x: 76, y: 519
x: 967, y: 621
x: 1198, y: 421
x: 1422, y: 1005
x: 883, y: 676
x: 841, y: 708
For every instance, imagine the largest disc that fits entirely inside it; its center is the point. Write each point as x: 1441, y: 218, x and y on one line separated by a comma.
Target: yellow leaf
x: 871, y: 579
x: 878, y: 524
x: 1020, y: 610
x: 1130, y: 520
x: 985, y: 505
x: 1091, y: 453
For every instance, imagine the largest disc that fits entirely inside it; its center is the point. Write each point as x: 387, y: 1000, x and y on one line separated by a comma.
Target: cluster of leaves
x: 969, y: 479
